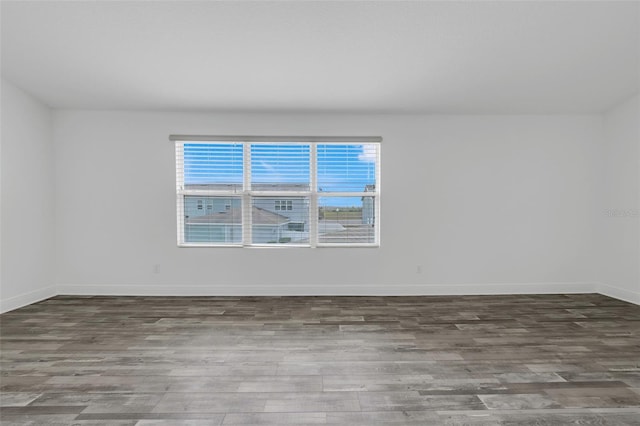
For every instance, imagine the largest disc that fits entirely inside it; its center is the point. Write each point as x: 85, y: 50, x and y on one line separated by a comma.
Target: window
x: 283, y: 205
x: 296, y: 226
x: 263, y: 193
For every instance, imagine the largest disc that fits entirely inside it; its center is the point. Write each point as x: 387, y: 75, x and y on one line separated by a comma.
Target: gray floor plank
x: 477, y: 360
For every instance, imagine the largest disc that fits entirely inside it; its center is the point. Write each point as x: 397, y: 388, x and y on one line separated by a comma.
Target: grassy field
x: 342, y: 214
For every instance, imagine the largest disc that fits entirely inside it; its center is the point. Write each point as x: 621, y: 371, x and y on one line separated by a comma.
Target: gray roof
x: 233, y: 217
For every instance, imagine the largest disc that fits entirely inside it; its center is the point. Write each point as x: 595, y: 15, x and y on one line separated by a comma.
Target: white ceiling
x: 435, y: 57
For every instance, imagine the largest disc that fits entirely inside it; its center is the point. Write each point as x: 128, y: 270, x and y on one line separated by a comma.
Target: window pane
x: 346, y: 168
x: 278, y: 220
x: 279, y: 167
x: 220, y: 222
x: 347, y: 220
x: 216, y: 166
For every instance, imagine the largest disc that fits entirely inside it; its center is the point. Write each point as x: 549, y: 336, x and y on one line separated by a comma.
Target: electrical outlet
x: 419, y: 269
x: 156, y: 268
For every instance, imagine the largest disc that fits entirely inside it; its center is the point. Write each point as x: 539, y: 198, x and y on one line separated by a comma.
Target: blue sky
x: 340, y: 167
x: 212, y: 163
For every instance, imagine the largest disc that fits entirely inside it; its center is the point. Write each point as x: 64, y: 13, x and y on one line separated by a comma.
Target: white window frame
x: 247, y: 194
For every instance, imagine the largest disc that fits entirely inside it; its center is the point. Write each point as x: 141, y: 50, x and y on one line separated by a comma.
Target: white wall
x: 483, y: 204
x: 27, y: 194
x: 620, y: 245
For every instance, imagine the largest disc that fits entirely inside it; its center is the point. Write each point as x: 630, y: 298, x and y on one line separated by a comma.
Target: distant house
x: 293, y: 207
x: 203, y: 206
x: 226, y: 227
x: 275, y: 219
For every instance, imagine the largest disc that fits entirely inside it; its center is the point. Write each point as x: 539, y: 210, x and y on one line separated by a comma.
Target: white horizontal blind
x: 280, y: 167
x: 232, y: 193
x: 213, y: 166
x: 346, y: 167
x: 280, y: 193
x: 209, y: 189
x: 347, y: 179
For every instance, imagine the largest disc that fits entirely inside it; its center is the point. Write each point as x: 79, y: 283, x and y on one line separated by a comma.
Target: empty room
x: 320, y: 212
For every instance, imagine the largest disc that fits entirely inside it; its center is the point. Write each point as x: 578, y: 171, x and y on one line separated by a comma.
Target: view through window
x: 277, y: 193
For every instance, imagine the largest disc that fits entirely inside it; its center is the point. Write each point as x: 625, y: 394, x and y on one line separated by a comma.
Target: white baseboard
x: 619, y: 293
x: 329, y: 290
x: 25, y: 299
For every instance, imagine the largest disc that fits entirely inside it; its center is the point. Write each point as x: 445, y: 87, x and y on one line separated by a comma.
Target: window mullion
x: 279, y: 193
x: 313, y: 197
x: 246, y: 195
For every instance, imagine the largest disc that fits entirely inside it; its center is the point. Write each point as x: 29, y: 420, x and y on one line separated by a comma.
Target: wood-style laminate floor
x: 476, y: 360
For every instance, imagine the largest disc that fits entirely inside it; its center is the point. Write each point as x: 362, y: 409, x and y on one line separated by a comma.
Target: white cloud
x: 369, y: 153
